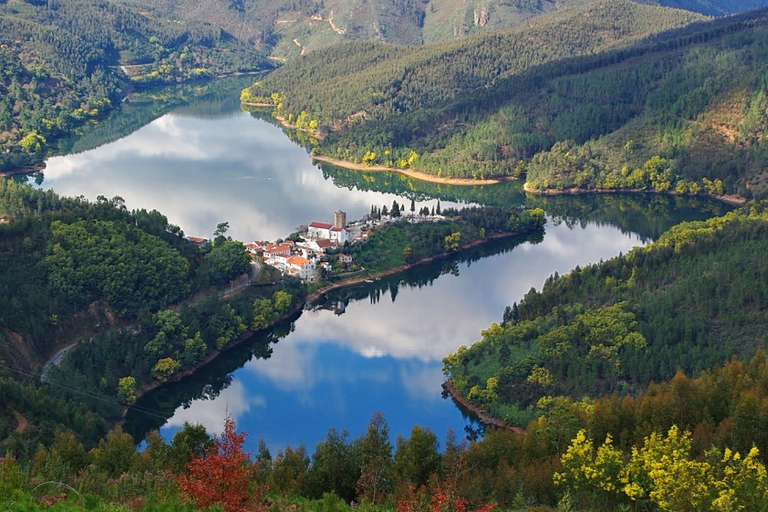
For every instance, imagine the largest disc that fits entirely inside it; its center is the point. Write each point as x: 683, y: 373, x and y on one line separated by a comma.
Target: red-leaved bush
x: 225, y: 476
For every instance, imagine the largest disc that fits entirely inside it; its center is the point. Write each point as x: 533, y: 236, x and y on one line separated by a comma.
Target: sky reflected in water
x: 199, y: 171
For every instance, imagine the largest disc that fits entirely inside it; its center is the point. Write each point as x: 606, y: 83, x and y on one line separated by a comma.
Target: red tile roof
x: 321, y: 225
x: 324, y: 243
x: 298, y: 261
x: 277, y: 249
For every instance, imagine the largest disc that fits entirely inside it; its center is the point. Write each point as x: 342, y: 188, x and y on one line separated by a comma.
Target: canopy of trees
x: 689, y: 301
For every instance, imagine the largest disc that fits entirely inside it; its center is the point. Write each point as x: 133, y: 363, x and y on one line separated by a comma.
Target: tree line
x: 693, y: 444
x: 565, y: 113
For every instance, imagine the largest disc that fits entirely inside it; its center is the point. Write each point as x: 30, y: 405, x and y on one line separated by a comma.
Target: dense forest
x: 146, y: 302
x: 601, y: 104
x: 688, y: 302
x: 67, y: 63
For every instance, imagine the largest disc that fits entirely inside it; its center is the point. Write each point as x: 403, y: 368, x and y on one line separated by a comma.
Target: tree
x: 375, y: 455
x: 126, y: 390
x: 218, y: 234
x: 334, y: 467
x: 191, y: 442
x: 227, y: 260
x: 417, y: 458
x: 165, y: 368
x: 224, y: 476
x: 115, y: 454
x: 453, y: 242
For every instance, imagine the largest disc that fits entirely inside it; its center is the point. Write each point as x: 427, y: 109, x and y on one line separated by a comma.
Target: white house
x: 319, y: 230
x: 301, y: 267
x: 277, y: 254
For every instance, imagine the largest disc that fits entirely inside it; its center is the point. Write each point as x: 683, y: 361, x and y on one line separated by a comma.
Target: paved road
x: 54, y: 361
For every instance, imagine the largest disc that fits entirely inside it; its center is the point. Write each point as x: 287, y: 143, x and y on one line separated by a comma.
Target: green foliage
x: 224, y: 262
x: 692, y: 298
x: 664, y: 473
x: 602, y: 108
x: 126, y: 390
x: 131, y: 269
x: 400, y: 242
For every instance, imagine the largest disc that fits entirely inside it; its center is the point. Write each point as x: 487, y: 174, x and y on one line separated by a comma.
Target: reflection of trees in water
x: 648, y: 215
x: 421, y: 275
x: 200, y: 99
x: 645, y: 214
x: 206, y: 384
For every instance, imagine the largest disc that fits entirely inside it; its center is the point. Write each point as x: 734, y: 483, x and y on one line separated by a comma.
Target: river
x: 374, y: 347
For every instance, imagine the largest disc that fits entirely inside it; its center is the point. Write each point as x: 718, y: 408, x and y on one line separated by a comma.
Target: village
x: 321, y: 250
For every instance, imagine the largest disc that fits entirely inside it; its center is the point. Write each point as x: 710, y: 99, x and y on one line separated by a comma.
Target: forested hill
x: 692, y: 300
x: 64, y: 62
x: 295, y: 27
x: 582, y: 98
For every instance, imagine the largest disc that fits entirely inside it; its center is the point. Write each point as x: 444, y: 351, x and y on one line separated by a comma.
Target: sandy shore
x: 483, y: 418
x: 417, y: 175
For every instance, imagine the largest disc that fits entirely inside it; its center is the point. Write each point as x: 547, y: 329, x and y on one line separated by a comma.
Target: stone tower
x: 339, y: 219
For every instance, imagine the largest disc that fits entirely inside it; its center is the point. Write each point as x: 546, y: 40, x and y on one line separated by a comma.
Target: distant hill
x: 603, y: 95
x: 289, y: 28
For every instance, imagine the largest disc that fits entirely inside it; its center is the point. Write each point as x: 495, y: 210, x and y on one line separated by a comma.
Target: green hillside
x: 582, y: 98
x: 289, y: 28
x: 67, y: 62
x: 690, y: 301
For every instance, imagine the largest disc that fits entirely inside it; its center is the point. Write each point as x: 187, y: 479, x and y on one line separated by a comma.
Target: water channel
x: 373, y: 347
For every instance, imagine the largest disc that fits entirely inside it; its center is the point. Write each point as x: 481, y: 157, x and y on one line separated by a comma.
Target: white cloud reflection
x: 199, y: 172
x: 424, y: 324
x: 234, y: 401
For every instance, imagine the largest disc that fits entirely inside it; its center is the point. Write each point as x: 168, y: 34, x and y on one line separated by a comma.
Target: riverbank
x: 23, y: 170
x: 484, y: 418
x: 188, y: 372
x: 417, y: 175
x: 730, y: 199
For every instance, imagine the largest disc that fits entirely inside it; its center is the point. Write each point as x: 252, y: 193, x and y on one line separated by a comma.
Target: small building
x: 323, y: 230
x: 345, y: 258
x: 198, y: 241
x: 319, y: 246
x: 301, y: 267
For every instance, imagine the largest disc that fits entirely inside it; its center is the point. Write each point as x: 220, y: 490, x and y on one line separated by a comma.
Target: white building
x: 320, y: 230
x: 301, y: 267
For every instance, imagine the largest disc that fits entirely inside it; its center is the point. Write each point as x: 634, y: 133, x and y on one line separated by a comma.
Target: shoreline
x: 23, y: 170
x: 730, y: 199
x: 418, y: 175
x: 482, y: 417
x: 299, y: 307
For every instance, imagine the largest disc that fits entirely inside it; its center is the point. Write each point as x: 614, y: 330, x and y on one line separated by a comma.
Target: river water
x: 374, y: 347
